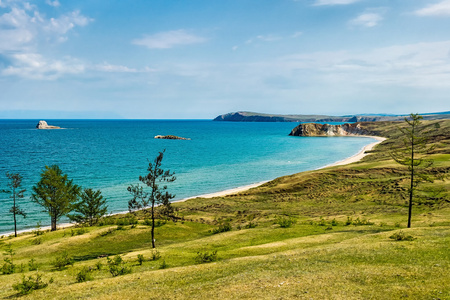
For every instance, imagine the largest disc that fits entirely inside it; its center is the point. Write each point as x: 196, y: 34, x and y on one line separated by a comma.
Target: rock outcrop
x: 44, y: 125
x: 314, y: 129
x: 170, y: 137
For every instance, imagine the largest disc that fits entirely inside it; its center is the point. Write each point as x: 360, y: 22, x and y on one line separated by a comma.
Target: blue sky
x: 190, y: 59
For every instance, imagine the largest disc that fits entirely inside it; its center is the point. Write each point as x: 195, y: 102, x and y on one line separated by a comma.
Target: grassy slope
x: 311, y: 259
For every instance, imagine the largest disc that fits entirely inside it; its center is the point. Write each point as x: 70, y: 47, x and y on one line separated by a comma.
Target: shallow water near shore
x: 111, y: 154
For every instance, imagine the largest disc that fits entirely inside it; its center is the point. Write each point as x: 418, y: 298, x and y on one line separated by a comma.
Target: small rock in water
x: 44, y: 125
x: 170, y: 137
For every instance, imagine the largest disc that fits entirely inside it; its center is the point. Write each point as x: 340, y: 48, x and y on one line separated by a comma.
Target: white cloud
x: 168, y: 39
x: 105, y: 67
x: 34, y: 66
x: 368, y: 19
x: 438, y: 9
x: 334, y: 2
x: 53, y: 3
x: 65, y: 23
x: 22, y: 25
x: 412, y: 65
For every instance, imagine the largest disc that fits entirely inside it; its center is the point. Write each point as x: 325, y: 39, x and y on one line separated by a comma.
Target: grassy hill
x: 322, y: 234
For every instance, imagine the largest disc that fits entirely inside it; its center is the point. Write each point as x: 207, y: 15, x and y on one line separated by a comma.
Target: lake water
x: 111, y: 154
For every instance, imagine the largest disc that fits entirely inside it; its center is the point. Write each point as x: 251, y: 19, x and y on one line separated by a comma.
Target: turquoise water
x: 111, y: 154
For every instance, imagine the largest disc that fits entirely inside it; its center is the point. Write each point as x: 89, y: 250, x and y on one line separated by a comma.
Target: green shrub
x: 141, y: 259
x: 401, y: 236
x: 38, y: 230
x: 8, y: 267
x: 349, y: 221
x: 78, y: 231
x: 32, y: 265
x: 62, y: 260
x: 250, y: 225
x: 99, y: 265
x: 117, y: 266
x: 284, y: 222
x: 84, y: 274
x: 155, y: 255
x: 322, y: 222
x: 163, y: 265
x: 30, y: 284
x: 206, y: 257
x: 224, y: 227
x: 36, y: 241
x: 334, y: 222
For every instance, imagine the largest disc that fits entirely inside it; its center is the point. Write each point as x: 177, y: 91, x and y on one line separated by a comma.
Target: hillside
x: 323, y: 234
x: 244, y: 116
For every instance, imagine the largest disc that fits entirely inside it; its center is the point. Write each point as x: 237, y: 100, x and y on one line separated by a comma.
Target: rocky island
x: 44, y: 125
x: 170, y: 137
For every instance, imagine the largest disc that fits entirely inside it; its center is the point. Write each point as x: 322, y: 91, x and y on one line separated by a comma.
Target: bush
x: 163, y: 265
x: 284, y: 222
x: 8, y: 267
x: 224, y: 227
x: 38, y: 230
x: 84, y: 274
x: 36, y: 241
x: 63, y: 260
x: 117, y: 266
x: 30, y: 284
x: 155, y: 255
x: 99, y: 265
x: 78, y: 231
x: 32, y: 265
x: 401, y: 236
x: 334, y: 222
x: 141, y: 259
x: 251, y: 225
x: 206, y: 257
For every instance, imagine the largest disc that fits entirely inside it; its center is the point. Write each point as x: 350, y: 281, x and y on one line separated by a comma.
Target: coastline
x: 354, y: 158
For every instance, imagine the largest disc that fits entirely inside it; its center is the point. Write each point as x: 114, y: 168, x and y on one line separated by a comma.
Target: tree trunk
x: 53, y: 224
x: 153, y: 225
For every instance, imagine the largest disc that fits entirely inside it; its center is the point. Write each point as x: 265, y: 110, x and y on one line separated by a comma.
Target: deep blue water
x: 111, y: 154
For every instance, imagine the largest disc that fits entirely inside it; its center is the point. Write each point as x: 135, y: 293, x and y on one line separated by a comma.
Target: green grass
x: 318, y: 256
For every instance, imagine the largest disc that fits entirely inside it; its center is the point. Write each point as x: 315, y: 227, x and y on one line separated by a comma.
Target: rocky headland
x: 170, y: 137
x: 314, y: 129
x: 245, y: 116
x: 44, y: 125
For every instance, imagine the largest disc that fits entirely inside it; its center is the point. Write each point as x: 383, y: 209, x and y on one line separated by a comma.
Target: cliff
x: 314, y: 129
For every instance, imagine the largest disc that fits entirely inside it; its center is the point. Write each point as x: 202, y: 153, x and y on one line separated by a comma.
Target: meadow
x: 334, y: 233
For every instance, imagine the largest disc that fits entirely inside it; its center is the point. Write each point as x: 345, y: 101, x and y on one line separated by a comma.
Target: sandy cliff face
x: 314, y: 129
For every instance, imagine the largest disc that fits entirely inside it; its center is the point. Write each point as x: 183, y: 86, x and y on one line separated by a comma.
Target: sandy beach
x: 357, y: 157
x: 346, y: 161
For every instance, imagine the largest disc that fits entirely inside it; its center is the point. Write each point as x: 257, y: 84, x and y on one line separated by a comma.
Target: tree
x: 157, y: 195
x: 16, y: 193
x: 90, y: 208
x: 56, y: 193
x: 413, y: 155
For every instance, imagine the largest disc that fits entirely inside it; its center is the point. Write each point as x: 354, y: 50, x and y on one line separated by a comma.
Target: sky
x: 196, y: 59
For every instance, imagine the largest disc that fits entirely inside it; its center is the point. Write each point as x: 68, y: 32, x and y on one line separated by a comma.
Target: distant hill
x: 244, y: 116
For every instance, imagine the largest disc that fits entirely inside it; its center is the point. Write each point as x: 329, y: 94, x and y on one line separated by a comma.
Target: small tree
x: 56, y: 193
x: 16, y: 193
x: 90, y: 208
x: 157, y: 194
x: 413, y: 155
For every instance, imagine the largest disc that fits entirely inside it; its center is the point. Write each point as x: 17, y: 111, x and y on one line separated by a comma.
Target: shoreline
x: 354, y: 158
